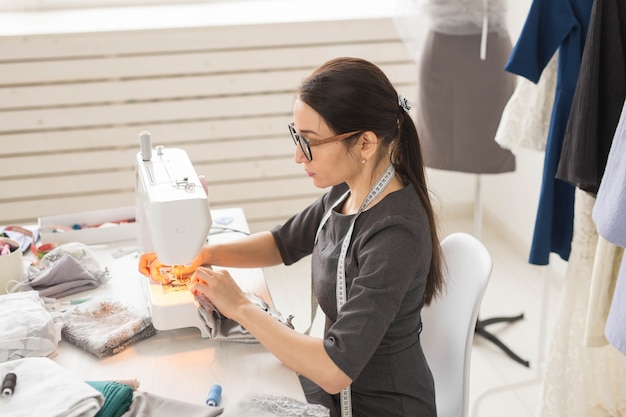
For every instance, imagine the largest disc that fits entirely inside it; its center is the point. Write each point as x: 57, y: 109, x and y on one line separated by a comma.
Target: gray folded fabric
x: 224, y: 329
x: 65, y: 277
x: 68, y: 269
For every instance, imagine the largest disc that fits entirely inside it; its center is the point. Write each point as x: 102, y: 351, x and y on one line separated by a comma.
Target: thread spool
x: 145, y: 145
x: 131, y: 382
x: 214, y: 396
x: 8, y: 385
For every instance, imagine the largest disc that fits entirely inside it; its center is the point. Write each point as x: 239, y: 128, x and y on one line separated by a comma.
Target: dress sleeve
x: 296, y: 237
x: 547, y: 25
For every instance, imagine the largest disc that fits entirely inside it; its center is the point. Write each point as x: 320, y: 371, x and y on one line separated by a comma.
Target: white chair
x: 449, y: 321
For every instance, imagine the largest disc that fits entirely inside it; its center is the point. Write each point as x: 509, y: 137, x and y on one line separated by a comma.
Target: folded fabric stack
x: 26, y: 328
x: 44, y: 388
x: 105, y: 327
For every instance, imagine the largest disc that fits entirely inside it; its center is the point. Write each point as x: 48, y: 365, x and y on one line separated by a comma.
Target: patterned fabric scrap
x: 105, y: 327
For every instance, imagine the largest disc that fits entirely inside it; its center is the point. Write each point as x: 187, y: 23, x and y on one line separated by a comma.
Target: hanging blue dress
x: 553, y: 25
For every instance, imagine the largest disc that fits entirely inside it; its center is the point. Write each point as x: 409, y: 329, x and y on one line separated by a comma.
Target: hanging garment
x: 580, y: 381
x: 606, y: 267
x: 598, y: 99
x: 552, y: 25
x: 609, y: 215
x: 610, y: 219
x: 615, y: 329
x: 525, y: 119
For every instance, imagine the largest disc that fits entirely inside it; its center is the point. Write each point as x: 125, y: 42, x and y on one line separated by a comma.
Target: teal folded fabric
x: 117, y: 398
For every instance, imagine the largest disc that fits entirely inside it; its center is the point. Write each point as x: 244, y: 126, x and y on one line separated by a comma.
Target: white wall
x: 509, y: 199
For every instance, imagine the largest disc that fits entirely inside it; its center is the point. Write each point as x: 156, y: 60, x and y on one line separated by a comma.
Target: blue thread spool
x: 215, y: 393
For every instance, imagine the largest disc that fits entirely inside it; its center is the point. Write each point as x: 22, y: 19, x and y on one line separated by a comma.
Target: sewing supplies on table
x: 8, y: 385
x: 53, y: 304
x: 214, y: 395
x: 131, y: 382
x: 58, y: 228
x: 6, y: 249
x: 11, y: 263
x: 24, y: 236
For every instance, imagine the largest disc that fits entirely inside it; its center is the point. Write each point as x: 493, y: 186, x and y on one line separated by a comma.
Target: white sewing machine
x: 174, y: 220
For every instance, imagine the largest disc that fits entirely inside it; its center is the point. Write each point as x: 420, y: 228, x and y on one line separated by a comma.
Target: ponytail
x: 406, y: 157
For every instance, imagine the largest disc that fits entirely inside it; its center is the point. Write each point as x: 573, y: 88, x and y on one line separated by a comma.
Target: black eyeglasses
x: 305, y: 145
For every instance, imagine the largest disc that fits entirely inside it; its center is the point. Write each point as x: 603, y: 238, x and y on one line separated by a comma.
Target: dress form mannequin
x: 460, y: 102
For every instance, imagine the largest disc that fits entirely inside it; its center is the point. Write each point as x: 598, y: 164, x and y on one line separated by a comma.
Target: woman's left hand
x: 150, y: 266
x: 220, y: 288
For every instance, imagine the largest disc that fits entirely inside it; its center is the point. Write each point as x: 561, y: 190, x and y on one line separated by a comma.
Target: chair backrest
x: 450, y: 320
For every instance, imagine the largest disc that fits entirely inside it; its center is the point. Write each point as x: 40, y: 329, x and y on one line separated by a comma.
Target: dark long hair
x: 354, y: 94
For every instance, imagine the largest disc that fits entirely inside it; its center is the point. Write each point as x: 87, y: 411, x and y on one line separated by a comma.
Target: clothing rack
x: 481, y: 325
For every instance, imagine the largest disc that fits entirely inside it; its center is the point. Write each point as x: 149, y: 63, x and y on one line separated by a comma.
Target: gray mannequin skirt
x: 460, y: 103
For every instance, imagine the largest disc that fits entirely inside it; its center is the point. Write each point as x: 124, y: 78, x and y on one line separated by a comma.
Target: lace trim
x: 289, y: 407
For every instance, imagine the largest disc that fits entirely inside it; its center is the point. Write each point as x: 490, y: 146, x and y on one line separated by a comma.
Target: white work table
x: 180, y: 364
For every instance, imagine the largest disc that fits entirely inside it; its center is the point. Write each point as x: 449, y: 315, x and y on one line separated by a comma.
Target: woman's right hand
x: 219, y: 287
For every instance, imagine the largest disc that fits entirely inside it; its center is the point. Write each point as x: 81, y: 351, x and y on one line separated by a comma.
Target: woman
x: 353, y: 134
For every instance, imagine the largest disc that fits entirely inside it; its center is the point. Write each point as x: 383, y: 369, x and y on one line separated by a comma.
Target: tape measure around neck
x: 381, y: 184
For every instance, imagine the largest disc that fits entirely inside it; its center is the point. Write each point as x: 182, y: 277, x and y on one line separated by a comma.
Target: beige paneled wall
x: 72, y: 107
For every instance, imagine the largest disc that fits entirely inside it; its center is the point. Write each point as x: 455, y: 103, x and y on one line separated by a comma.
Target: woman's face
x: 332, y: 162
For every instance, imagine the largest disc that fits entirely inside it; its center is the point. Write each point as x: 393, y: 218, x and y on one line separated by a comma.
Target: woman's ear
x: 369, y: 144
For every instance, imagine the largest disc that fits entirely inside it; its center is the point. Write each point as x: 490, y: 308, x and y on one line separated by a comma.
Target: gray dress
x: 460, y: 103
x: 375, y: 338
x: 461, y: 96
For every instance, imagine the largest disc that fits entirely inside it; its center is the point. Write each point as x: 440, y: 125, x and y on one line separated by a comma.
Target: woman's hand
x: 150, y: 266
x: 220, y: 288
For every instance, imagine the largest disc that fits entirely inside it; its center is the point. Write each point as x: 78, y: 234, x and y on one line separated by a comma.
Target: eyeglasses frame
x: 298, y: 139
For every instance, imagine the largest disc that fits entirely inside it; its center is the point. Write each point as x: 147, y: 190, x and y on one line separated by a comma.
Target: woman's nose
x: 299, y: 157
